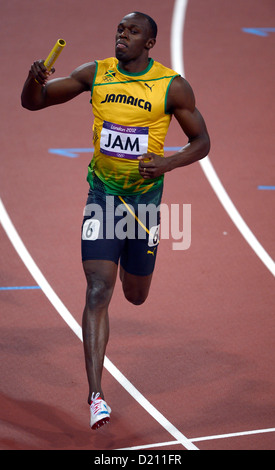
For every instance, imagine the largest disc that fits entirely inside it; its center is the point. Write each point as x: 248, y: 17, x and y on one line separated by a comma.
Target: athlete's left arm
x: 180, y: 103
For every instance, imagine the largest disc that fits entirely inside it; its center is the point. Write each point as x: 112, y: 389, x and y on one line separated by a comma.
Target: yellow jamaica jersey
x: 130, y: 119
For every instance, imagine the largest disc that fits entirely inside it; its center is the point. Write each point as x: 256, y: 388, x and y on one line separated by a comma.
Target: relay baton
x: 59, y: 45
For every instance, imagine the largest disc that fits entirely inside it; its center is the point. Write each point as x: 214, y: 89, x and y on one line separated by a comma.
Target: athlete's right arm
x: 39, y: 93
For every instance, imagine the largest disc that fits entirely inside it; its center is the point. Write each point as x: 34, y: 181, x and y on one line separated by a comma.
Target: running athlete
x: 133, y: 99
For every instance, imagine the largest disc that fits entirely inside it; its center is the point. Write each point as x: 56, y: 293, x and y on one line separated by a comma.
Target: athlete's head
x: 136, y: 35
x: 153, y: 25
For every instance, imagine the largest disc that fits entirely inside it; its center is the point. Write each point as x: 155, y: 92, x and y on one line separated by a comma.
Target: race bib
x: 123, y: 141
x: 154, y: 236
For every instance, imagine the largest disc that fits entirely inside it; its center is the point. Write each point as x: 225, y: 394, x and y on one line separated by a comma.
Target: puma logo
x: 151, y: 252
x: 148, y: 86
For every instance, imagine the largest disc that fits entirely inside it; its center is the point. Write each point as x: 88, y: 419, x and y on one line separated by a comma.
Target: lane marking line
x: 200, y: 439
x: 76, y: 328
x: 20, y: 288
x: 263, y: 32
x: 74, y: 152
x: 206, y: 165
x: 233, y: 434
x: 35, y: 271
x: 266, y: 188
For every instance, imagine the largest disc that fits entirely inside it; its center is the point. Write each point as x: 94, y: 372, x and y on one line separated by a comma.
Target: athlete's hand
x: 40, y: 73
x: 152, y: 165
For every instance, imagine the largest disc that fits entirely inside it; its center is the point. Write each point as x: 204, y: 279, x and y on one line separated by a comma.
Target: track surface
x: 201, y: 350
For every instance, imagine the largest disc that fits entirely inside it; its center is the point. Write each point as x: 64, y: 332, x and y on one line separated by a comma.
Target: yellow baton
x: 58, y: 47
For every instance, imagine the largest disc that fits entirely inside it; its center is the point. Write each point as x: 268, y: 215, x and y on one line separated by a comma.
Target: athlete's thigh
x: 136, y: 288
x: 98, y: 236
x: 100, y: 269
x: 139, y: 252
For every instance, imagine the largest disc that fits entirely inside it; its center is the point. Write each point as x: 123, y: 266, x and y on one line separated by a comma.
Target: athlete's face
x: 133, y: 38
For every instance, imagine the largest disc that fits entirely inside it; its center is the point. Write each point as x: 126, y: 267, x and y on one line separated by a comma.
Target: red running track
x: 201, y: 350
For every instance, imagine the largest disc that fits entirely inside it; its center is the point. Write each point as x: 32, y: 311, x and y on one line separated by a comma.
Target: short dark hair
x: 152, y: 23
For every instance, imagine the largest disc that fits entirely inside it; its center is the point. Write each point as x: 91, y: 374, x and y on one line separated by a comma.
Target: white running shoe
x: 99, y: 412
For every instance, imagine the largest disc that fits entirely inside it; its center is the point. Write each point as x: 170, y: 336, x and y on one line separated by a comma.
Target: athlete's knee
x: 135, y: 298
x: 98, y: 293
x: 101, y: 277
x: 135, y: 288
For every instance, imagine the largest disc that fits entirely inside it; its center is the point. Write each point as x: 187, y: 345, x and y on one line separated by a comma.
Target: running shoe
x: 99, y: 412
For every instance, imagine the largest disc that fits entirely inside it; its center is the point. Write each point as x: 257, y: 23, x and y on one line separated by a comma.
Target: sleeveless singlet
x: 130, y: 119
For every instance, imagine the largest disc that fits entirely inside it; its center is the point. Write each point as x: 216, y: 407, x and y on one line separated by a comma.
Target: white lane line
x: 76, y: 328
x: 235, y: 216
x: 35, y: 271
x: 205, y: 438
x: 177, y: 30
x: 176, y: 40
x: 233, y: 434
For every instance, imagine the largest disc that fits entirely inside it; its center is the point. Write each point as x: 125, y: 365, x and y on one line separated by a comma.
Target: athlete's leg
x: 138, y: 255
x: 135, y: 288
x: 101, y: 278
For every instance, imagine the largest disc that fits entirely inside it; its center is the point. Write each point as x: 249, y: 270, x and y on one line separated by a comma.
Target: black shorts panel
x: 122, y: 229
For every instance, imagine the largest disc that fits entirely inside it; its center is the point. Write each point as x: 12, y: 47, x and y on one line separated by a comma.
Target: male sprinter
x: 133, y: 99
